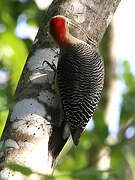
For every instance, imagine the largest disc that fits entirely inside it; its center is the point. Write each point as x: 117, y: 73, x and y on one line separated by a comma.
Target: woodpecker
x: 80, y: 77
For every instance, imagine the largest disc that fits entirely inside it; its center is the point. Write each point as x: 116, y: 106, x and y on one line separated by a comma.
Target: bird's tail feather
x: 76, y: 133
x: 56, y: 142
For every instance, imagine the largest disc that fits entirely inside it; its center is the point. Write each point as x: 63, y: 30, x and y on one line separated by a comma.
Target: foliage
x: 13, y: 50
x: 15, y: 167
x: 128, y: 97
x: 81, y: 162
x: 26, y: 171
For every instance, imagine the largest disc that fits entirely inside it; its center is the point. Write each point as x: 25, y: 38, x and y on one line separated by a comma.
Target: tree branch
x: 37, y: 104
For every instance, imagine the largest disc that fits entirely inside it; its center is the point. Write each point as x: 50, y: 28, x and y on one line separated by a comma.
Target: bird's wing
x: 80, y: 80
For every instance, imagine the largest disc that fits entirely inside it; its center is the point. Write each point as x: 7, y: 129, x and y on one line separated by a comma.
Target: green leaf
x: 13, y: 52
x: 128, y: 76
x: 3, y: 117
x: 16, y: 167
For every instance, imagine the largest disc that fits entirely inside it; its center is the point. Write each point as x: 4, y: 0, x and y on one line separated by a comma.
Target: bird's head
x: 59, y: 28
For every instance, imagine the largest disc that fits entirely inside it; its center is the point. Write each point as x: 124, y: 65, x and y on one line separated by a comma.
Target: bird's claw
x: 52, y: 66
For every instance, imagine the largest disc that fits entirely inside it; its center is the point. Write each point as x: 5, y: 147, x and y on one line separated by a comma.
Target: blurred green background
x: 101, y: 154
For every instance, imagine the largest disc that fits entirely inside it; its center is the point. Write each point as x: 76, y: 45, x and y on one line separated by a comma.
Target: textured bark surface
x: 37, y: 104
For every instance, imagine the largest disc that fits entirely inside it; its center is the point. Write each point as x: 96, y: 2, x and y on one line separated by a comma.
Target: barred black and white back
x: 80, y: 78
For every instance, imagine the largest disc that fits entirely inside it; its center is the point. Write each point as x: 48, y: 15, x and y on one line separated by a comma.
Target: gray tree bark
x: 37, y: 104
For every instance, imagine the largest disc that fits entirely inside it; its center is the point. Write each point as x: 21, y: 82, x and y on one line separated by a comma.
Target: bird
x: 80, y: 80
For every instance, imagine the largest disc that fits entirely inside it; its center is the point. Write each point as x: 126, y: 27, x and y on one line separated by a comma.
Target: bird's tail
x: 76, y: 134
x: 56, y: 142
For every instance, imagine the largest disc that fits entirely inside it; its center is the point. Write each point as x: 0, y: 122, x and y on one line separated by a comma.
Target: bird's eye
x: 68, y: 22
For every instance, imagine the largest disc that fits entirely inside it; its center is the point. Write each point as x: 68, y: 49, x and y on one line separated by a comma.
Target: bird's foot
x: 52, y: 66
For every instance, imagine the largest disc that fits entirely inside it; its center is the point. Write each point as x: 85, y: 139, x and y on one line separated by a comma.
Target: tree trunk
x: 37, y: 105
